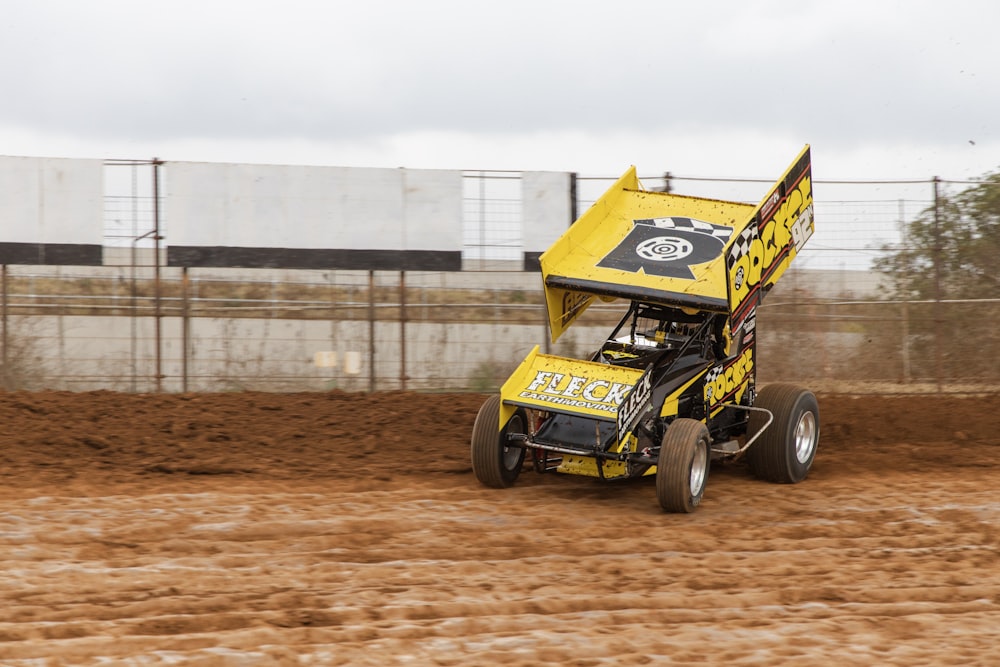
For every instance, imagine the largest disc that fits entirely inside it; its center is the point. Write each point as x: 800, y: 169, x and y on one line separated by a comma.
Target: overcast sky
x: 880, y: 88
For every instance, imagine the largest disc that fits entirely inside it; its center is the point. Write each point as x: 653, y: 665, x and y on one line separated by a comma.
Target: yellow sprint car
x: 673, y: 386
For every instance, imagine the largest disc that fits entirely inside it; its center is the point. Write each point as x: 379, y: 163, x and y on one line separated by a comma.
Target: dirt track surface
x: 328, y: 529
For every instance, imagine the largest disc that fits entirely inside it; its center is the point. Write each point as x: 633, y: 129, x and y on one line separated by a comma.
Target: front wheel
x: 785, y: 451
x: 495, y: 461
x: 682, y: 466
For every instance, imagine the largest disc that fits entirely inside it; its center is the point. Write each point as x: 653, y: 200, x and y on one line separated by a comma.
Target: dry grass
x: 218, y: 298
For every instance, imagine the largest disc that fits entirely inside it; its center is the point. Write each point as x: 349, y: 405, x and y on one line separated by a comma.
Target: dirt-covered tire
x: 682, y: 466
x: 785, y: 451
x: 495, y: 462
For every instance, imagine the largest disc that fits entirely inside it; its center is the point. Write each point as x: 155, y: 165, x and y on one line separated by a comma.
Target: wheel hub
x: 805, y: 437
x: 699, y: 470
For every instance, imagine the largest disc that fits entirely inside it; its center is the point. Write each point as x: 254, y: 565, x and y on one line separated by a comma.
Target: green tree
x: 951, y: 250
x: 947, y: 269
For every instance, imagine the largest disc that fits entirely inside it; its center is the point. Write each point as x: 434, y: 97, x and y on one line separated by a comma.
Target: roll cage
x: 651, y: 334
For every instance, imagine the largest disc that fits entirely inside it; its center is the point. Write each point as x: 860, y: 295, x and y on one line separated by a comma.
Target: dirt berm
x: 345, y: 529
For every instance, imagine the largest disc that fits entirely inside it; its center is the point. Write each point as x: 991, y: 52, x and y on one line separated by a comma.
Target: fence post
x: 402, y: 330
x: 905, y: 349
x: 937, y: 285
x: 573, y: 198
x: 371, y: 330
x: 185, y: 328
x: 3, y: 316
x: 158, y: 314
x: 546, y: 336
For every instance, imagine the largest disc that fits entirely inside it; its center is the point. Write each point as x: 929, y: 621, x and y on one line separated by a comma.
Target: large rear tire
x: 682, y: 466
x: 495, y: 462
x: 784, y: 453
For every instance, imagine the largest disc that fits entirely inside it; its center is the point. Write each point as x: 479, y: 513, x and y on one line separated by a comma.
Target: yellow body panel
x: 760, y: 254
x: 676, y: 250
x: 557, y: 384
x: 585, y: 253
x: 587, y: 466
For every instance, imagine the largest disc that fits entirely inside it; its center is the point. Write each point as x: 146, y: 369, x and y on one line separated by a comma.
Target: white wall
x: 51, y: 200
x: 547, y: 208
x: 269, y: 206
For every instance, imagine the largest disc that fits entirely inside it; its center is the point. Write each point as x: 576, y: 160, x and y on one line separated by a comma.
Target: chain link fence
x: 834, y: 321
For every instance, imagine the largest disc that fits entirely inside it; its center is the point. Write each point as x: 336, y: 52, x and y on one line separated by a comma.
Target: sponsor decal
x: 749, y: 326
x: 664, y: 249
x: 576, y: 391
x: 802, y: 228
x: 667, y: 247
x: 761, y: 248
x: 635, y: 404
x: 722, y: 381
x: 768, y: 206
x: 572, y: 304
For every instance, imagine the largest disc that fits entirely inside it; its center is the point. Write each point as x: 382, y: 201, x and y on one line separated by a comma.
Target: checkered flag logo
x: 741, y: 247
x: 710, y: 377
x: 720, y: 232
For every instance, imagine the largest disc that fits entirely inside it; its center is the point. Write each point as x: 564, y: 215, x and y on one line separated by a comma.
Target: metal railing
x: 137, y: 325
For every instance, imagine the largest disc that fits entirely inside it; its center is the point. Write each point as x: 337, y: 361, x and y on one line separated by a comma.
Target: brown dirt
x: 316, y: 529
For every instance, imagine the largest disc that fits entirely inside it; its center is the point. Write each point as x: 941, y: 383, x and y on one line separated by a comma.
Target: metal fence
x: 136, y: 325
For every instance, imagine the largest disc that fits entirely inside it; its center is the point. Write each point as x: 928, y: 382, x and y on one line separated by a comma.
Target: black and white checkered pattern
x: 691, y: 224
x: 710, y: 377
x: 742, y: 245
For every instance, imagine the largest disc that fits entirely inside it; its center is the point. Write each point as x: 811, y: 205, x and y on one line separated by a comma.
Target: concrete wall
x: 107, y: 352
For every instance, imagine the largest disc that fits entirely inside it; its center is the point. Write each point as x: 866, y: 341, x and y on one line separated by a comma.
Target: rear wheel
x: 495, y: 461
x: 682, y: 466
x: 785, y: 451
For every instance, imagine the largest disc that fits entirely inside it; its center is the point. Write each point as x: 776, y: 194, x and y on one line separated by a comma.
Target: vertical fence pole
x: 371, y: 331
x: 482, y: 220
x: 185, y: 328
x: 158, y: 314
x: 3, y: 317
x: 402, y: 330
x: 573, y: 197
x: 133, y: 323
x: 546, y: 336
x: 905, y: 348
x: 937, y: 285
x: 574, y: 213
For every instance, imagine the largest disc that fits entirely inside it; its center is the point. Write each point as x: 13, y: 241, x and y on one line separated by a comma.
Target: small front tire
x: 495, y: 461
x: 682, y: 465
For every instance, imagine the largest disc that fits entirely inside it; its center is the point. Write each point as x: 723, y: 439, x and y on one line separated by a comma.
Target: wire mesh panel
x: 888, y: 294
x: 130, y: 216
x: 453, y: 338
x: 492, y: 219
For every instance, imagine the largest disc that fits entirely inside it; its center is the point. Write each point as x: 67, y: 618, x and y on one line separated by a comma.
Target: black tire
x: 784, y: 453
x: 496, y: 463
x: 682, y: 466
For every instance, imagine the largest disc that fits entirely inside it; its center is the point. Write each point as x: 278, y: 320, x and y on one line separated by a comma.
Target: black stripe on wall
x: 531, y: 262
x: 65, y: 254
x: 314, y: 258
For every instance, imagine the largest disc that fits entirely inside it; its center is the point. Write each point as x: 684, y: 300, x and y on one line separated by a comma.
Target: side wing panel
x: 565, y: 305
x: 759, y: 254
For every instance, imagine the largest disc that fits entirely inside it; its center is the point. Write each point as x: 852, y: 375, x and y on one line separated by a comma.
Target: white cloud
x: 883, y: 89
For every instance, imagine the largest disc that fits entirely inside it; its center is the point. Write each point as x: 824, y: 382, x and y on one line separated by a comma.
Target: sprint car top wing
x: 675, y: 250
